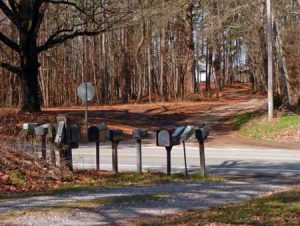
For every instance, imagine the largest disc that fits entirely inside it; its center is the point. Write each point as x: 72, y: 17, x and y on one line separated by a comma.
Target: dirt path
x: 219, y: 114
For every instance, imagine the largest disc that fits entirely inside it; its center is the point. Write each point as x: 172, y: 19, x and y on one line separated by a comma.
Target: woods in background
x: 148, y: 50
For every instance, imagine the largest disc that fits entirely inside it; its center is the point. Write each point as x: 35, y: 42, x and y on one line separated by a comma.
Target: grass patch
x: 257, y: 126
x: 16, y: 177
x: 242, y: 119
x: 93, y: 180
x: 278, y: 209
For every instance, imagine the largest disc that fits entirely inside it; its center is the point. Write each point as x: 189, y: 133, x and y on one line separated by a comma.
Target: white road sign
x: 86, y: 91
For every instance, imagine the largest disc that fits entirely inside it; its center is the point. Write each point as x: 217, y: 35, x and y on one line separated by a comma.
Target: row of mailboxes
x: 167, y: 137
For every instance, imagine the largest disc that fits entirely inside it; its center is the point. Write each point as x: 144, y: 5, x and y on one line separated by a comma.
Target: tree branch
x: 11, y: 68
x: 10, y: 15
x: 11, y: 44
x: 58, y: 38
x: 55, y: 40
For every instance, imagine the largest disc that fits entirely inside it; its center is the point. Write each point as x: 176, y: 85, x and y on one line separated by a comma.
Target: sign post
x: 86, y: 92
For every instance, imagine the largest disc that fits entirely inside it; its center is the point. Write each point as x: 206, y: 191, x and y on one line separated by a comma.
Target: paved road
x: 219, y: 160
x: 270, y: 170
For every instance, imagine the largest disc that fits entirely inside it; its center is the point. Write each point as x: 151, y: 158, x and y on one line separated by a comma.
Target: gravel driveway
x: 180, y: 197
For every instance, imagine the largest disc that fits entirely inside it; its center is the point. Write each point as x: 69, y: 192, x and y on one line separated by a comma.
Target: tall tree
x: 84, y: 18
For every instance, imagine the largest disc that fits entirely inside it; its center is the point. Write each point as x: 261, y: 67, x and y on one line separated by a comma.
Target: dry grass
x: 278, y: 209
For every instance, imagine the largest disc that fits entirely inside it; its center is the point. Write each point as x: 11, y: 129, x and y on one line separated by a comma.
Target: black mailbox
x: 202, y: 133
x: 115, y: 135
x: 140, y: 134
x: 176, y: 136
x: 93, y: 134
x: 74, y: 136
x: 103, y: 130
x: 187, y: 133
x: 41, y: 130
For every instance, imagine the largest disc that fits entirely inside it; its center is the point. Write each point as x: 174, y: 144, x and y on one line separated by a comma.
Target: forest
x: 143, y: 50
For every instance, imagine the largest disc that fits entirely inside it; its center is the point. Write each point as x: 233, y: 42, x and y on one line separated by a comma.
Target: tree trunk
x: 29, y: 74
x: 284, y: 76
x: 190, y: 85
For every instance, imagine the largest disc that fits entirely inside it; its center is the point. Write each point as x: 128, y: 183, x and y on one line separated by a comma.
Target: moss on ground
x: 255, y: 125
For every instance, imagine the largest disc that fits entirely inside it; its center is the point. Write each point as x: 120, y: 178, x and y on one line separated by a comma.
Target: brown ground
x: 218, y: 113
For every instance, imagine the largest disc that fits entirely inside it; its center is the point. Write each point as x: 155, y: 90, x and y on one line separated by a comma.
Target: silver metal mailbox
x: 140, y: 134
x: 29, y: 127
x: 41, y: 130
x: 176, y: 136
x: 202, y: 133
x: 60, y: 132
x: 116, y: 135
x: 103, y: 131
x: 164, y: 138
x: 187, y: 133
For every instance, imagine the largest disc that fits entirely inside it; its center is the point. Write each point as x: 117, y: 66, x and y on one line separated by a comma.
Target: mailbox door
x: 163, y: 138
x: 205, y: 132
x: 187, y: 133
x: 177, y: 134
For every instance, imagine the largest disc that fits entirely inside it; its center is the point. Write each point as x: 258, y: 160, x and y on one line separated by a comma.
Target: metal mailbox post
x: 98, y: 134
x: 186, y: 134
x: 202, y: 133
x: 74, y: 136
x: 115, y: 136
x: 50, y: 137
x: 29, y: 127
x: 66, y: 139
x: 103, y: 130
x: 138, y: 135
x: 73, y: 139
x: 169, y: 137
x: 42, y: 131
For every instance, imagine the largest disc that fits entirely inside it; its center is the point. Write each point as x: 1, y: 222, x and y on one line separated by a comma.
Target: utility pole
x: 270, y: 62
